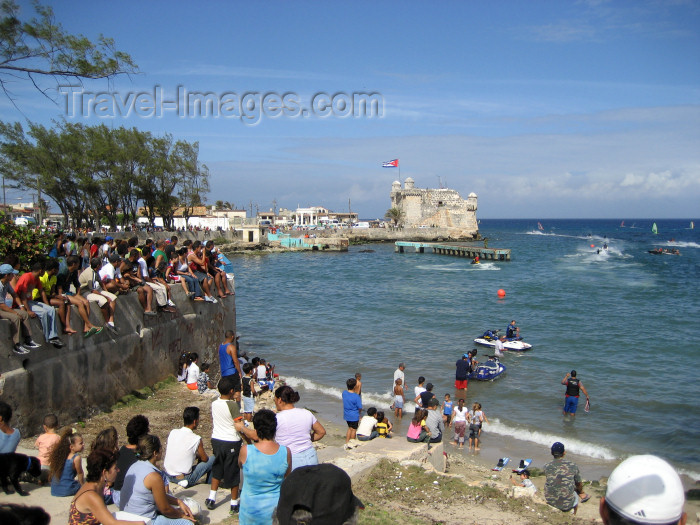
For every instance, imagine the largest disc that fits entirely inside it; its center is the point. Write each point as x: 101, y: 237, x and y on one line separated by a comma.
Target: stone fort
x: 442, y: 207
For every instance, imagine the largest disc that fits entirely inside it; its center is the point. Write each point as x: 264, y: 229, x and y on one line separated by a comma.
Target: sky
x: 544, y: 109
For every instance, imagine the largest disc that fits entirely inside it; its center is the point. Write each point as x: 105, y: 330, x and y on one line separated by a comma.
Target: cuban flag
x: 391, y: 164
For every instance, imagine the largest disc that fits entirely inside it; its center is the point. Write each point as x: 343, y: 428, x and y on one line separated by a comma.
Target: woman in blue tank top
x: 264, y: 465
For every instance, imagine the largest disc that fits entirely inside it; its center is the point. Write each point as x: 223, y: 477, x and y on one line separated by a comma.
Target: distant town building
x: 439, y: 207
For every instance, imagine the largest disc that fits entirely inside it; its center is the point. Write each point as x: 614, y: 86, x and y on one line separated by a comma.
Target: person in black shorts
x: 226, y: 444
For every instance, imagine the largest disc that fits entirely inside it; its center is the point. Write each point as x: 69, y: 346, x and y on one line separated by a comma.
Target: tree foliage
x: 99, y: 175
x: 40, y: 47
x: 29, y: 244
x: 395, y: 215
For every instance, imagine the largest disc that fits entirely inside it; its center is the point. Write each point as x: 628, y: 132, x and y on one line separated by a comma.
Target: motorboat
x: 514, y: 343
x: 488, y: 370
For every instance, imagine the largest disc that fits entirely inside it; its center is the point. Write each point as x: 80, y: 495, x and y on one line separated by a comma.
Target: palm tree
x: 395, y: 215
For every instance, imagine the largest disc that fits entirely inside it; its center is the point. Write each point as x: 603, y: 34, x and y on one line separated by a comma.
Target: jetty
x: 454, y: 249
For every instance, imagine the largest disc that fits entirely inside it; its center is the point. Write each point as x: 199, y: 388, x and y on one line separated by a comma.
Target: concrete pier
x: 454, y: 249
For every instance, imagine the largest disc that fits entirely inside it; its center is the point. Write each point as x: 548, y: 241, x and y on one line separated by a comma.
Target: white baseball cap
x: 646, y: 489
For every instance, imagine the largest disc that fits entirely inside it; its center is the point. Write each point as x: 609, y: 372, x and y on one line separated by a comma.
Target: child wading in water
x: 65, y: 464
x: 399, y: 398
x: 476, y: 419
x: 447, y: 411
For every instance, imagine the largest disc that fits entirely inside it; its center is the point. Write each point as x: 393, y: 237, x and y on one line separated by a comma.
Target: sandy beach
x: 408, y: 491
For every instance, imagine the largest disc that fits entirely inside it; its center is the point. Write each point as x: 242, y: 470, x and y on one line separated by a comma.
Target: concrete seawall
x: 90, y: 375
x: 358, y: 235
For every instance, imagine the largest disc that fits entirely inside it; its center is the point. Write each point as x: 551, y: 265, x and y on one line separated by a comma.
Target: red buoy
x: 501, y: 293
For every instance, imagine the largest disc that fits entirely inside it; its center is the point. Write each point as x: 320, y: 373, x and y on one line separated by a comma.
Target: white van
x: 361, y: 225
x: 25, y: 221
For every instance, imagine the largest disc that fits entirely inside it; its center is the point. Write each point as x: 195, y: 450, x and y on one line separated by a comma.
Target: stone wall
x: 90, y: 375
x: 442, y: 207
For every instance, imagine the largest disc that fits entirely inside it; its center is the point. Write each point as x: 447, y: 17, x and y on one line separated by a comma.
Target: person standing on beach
x: 573, y: 389
x: 461, y: 374
x: 399, y: 399
x: 434, y: 422
x: 398, y: 374
x: 352, y: 406
x: 563, y: 488
x: 229, y: 363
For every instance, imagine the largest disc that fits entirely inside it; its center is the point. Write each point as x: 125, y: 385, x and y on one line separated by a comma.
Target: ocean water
x: 626, y: 320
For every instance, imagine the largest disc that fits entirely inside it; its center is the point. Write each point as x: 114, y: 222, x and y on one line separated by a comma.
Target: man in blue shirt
x: 9, y: 437
x: 352, y: 405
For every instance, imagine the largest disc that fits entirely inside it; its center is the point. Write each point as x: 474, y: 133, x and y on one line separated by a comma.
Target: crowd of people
x: 79, y: 271
x: 258, y: 453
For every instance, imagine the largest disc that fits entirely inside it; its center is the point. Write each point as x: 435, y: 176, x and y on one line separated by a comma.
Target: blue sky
x: 544, y: 109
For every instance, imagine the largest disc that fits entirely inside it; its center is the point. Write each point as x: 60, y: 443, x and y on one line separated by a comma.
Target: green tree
x: 40, y: 47
x: 29, y: 244
x: 395, y: 215
x: 194, y: 177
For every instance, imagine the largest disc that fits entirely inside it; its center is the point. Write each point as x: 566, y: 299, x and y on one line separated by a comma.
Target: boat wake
x: 460, y: 267
x: 683, y: 244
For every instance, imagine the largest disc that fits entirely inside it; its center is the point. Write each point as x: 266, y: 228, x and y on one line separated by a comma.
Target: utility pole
x: 349, y: 212
x: 38, y: 191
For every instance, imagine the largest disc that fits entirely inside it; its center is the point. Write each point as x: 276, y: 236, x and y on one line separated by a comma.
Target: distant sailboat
x: 654, y: 230
x: 622, y: 224
x: 539, y: 226
x: 692, y: 225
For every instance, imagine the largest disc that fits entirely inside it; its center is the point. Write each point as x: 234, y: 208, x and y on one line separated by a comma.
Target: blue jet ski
x: 488, y: 370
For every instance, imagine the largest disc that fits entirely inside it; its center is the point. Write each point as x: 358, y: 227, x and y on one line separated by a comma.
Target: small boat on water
x: 515, y: 344
x: 622, y: 224
x: 692, y: 225
x: 539, y: 226
x: 654, y: 229
x: 488, y: 370
x: 665, y: 251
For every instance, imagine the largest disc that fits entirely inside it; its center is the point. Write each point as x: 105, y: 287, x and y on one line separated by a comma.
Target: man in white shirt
x: 499, y: 346
x: 398, y: 374
x: 184, y: 447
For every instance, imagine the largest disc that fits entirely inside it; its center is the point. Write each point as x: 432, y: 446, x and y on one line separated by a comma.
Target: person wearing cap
x: 19, y: 319
x: 46, y: 313
x: 573, y: 388
x: 461, y: 376
x: 643, y: 489
x: 317, y: 494
x: 563, y: 488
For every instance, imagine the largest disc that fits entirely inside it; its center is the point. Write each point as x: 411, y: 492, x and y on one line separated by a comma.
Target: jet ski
x: 514, y: 343
x: 489, y: 370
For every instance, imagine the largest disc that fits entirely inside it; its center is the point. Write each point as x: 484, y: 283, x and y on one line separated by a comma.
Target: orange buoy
x: 501, y: 293
x: 592, y: 245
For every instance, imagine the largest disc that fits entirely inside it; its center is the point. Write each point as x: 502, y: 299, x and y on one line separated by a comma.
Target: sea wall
x: 90, y: 375
x: 356, y: 235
